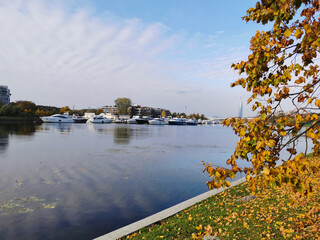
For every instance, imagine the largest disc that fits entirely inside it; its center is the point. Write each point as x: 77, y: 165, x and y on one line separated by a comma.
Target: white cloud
x: 56, y: 56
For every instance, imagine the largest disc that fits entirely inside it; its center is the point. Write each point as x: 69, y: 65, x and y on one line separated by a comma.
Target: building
x: 110, y: 109
x: 137, y: 110
x: 4, y: 94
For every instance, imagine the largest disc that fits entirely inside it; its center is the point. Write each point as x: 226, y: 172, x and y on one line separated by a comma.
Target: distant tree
x: 10, y: 110
x: 26, y: 106
x: 49, y: 109
x: 99, y: 110
x: 123, y: 104
x: 174, y: 114
x: 163, y: 113
x: 197, y: 116
x: 65, y: 109
x: 15, y: 110
x: 4, y: 110
x: 40, y: 112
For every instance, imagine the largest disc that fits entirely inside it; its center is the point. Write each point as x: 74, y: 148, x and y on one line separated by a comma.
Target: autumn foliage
x: 281, y: 69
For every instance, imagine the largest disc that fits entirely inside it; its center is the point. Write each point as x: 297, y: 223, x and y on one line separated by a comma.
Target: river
x: 80, y: 181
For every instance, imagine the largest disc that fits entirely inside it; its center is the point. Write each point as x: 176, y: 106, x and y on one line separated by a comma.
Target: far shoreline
x: 17, y: 119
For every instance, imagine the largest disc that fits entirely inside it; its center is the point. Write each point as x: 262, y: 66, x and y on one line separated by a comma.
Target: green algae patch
x: 24, y: 205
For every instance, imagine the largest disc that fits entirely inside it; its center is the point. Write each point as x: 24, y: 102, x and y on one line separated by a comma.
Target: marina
x: 92, y: 118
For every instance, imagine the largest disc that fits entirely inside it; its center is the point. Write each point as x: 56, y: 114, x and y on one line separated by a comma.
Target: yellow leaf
x: 300, y: 80
x: 199, y: 227
x: 271, y: 143
x: 259, y: 145
x: 287, y: 33
x: 242, y: 132
x: 283, y: 133
x: 298, y: 33
x: 266, y: 171
x: 245, y: 225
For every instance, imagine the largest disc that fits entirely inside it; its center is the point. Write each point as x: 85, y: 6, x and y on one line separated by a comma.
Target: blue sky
x: 164, y: 53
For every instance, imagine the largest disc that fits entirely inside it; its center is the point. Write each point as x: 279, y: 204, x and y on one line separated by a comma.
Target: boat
x: 143, y: 120
x: 177, y: 121
x: 58, y: 118
x: 119, y: 121
x: 207, y: 122
x: 192, y: 122
x: 132, y: 121
x: 157, y: 121
x: 98, y: 119
x: 79, y: 119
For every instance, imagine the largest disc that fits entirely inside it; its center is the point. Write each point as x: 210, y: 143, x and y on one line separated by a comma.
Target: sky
x: 173, y: 54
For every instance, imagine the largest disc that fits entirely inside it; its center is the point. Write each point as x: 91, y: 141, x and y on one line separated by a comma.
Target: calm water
x: 80, y: 181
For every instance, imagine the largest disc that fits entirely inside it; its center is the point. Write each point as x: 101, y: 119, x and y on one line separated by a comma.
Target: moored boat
x: 98, y: 119
x: 177, y: 121
x: 157, y: 121
x: 207, y: 122
x: 58, y: 118
x: 192, y: 122
x: 79, y: 119
x: 132, y: 121
x: 143, y: 120
x: 119, y: 121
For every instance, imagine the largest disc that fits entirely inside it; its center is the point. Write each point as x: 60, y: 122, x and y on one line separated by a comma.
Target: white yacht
x: 192, y: 122
x: 58, y: 118
x: 98, y: 119
x: 207, y: 122
x: 177, y: 121
x: 79, y: 119
x: 118, y: 121
x: 132, y: 121
x: 157, y: 121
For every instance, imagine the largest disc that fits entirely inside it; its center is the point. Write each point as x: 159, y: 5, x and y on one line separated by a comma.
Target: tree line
x: 30, y: 109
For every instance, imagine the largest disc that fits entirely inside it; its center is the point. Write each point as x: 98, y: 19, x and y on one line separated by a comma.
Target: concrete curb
x: 133, y: 227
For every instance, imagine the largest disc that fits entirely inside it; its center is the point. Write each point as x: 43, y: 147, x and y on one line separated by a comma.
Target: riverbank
x: 272, y: 214
x: 34, y: 119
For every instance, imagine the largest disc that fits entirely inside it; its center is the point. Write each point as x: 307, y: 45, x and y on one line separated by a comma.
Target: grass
x: 273, y: 214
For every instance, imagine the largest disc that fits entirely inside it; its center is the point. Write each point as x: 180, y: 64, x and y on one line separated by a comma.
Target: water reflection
x: 63, y: 128
x: 122, y: 135
x: 7, y: 129
x: 85, y: 180
x: 4, y: 141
